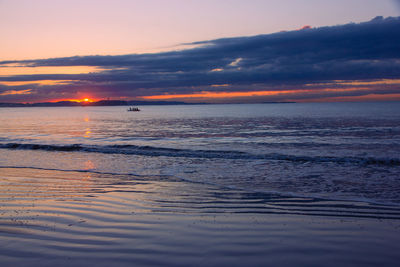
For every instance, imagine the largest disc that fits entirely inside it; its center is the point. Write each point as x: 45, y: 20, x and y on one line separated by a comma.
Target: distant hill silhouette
x: 108, y: 103
x: 96, y: 103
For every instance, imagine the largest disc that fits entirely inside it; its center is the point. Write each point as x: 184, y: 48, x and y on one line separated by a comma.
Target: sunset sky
x: 200, y: 51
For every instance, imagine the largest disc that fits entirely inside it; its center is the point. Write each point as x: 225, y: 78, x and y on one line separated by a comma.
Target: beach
x: 77, y: 219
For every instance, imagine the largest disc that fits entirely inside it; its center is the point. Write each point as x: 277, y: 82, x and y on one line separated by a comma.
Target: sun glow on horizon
x: 85, y: 100
x: 82, y: 100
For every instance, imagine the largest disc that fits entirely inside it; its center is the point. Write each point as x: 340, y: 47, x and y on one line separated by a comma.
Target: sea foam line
x: 209, y: 154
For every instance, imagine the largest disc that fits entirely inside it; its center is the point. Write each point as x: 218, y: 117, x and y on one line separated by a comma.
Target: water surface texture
x: 330, y: 150
x: 267, y: 184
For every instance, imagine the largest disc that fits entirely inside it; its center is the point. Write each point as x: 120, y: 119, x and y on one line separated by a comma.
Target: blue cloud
x: 364, y: 51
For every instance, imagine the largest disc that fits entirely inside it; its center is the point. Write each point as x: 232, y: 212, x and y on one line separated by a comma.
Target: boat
x: 133, y: 109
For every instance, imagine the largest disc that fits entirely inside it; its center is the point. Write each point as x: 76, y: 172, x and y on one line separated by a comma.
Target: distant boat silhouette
x: 133, y: 109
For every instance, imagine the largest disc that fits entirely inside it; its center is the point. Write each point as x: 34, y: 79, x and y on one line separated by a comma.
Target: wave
x: 276, y: 200
x: 352, y: 145
x: 207, y: 154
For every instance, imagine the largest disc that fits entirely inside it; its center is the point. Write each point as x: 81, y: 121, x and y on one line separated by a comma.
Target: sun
x: 86, y: 100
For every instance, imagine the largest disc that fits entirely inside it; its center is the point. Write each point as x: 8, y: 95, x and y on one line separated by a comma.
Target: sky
x: 225, y: 51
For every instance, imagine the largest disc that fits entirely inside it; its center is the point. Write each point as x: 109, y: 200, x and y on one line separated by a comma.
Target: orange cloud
x: 40, y: 82
x: 220, y: 85
x: 16, y: 70
x: 356, y: 82
x: 207, y: 94
x: 217, y: 70
x: 305, y: 27
x: 15, y: 92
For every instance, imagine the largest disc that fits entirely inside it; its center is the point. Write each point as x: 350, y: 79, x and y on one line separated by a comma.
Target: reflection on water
x: 204, y: 185
x: 25, y: 184
x: 89, y: 165
x: 87, y: 133
x: 170, y: 194
x: 77, y: 218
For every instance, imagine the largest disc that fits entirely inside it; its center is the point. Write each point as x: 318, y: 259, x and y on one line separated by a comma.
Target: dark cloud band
x: 365, y: 51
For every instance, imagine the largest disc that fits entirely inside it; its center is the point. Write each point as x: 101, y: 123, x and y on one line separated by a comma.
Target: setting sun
x: 86, y: 100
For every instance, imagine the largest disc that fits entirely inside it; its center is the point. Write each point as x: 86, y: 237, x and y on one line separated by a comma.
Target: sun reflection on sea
x: 87, y: 130
x: 87, y: 133
x: 89, y: 165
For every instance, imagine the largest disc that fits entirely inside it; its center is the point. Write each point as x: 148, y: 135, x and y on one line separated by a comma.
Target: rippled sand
x: 67, y: 218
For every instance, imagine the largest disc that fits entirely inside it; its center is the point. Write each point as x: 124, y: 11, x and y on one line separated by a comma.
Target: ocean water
x: 335, y: 151
x: 214, y: 185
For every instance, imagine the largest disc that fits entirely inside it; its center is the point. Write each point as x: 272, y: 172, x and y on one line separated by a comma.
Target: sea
x: 91, y: 167
x: 346, y: 151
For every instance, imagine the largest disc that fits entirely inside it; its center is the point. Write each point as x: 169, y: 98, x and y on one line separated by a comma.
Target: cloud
x: 15, y: 92
x: 305, y: 27
x: 366, y: 52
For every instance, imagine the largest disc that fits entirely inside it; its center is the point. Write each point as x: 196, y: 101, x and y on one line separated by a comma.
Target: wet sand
x: 67, y: 218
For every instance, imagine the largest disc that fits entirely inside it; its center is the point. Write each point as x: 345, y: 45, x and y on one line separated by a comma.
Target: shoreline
x: 51, y: 217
